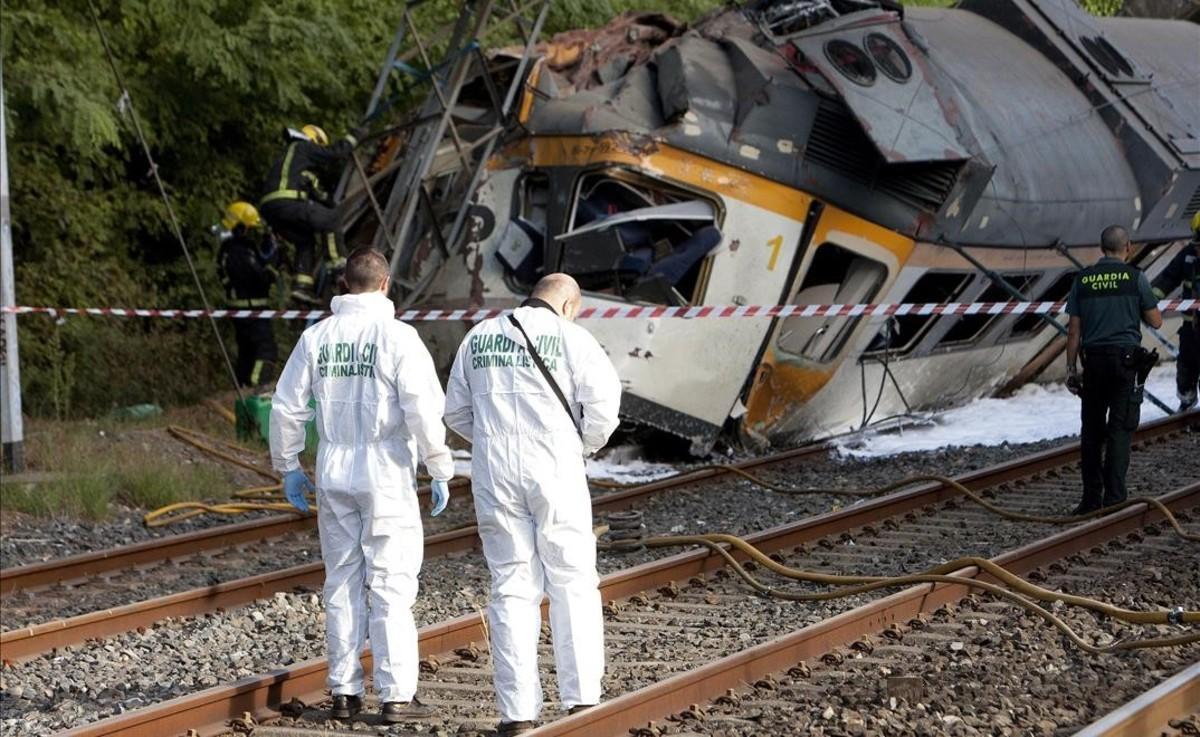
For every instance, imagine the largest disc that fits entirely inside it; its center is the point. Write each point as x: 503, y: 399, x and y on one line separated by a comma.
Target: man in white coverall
x: 531, y: 494
x: 378, y: 408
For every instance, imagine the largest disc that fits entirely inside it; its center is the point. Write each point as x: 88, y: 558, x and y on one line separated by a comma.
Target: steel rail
x: 709, y: 681
x: 84, y: 565
x: 26, y: 642
x: 207, y: 711
x: 1149, y: 713
x: 23, y: 643
x: 77, y: 567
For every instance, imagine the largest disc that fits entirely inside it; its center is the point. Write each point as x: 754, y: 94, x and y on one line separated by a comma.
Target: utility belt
x: 1132, y: 357
x: 1119, y: 351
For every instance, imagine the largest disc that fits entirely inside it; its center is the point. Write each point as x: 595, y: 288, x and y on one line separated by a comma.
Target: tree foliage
x: 214, y: 83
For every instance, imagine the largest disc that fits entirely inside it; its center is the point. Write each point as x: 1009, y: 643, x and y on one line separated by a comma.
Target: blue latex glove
x: 295, y: 483
x: 440, y: 496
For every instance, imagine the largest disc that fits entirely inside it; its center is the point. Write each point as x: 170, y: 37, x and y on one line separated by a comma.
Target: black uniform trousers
x: 256, y: 352
x: 1112, y: 408
x: 307, y: 224
x: 1187, y: 366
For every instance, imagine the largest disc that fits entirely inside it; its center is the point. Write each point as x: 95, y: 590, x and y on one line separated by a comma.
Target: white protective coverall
x: 531, y: 496
x: 378, y: 408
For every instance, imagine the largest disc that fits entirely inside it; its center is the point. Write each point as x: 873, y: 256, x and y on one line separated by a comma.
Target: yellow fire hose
x: 854, y: 585
x: 265, y: 501
x: 254, y: 499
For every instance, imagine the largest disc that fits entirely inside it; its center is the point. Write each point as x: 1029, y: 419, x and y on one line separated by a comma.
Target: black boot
x: 511, y: 729
x: 578, y: 708
x: 399, y: 711
x: 1087, y: 506
x: 345, y: 706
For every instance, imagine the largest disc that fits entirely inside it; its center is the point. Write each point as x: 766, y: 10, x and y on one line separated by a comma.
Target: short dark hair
x: 365, y: 268
x: 1113, y: 239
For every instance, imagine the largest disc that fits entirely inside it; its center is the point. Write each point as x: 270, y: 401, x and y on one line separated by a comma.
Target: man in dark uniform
x: 298, y: 207
x: 1108, y: 302
x: 246, y: 262
x: 1184, y: 270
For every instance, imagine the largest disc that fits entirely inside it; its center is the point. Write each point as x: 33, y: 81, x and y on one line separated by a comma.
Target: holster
x: 1141, y: 361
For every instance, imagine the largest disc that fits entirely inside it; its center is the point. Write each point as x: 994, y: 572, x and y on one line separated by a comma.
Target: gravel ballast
x: 98, y: 679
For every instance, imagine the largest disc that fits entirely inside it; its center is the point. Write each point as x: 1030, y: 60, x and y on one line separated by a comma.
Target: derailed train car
x: 815, y: 152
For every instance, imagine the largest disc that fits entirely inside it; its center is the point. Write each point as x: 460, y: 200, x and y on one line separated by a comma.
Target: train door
x: 848, y: 261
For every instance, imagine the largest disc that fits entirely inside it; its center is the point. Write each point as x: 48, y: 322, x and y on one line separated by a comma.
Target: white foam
x: 1035, y: 412
x: 620, y: 465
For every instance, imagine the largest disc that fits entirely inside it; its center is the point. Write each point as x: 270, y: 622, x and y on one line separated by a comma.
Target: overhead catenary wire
x: 162, y: 190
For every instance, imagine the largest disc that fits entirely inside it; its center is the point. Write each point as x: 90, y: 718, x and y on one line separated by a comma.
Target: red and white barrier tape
x: 619, y: 312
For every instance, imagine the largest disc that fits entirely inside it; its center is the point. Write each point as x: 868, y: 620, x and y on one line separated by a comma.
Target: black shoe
x: 579, y: 707
x: 1112, y: 502
x: 511, y: 729
x: 399, y: 711
x: 1085, y: 507
x: 345, y: 706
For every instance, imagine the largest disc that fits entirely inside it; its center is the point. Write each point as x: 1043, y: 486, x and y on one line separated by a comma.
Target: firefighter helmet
x: 241, y: 213
x: 315, y: 134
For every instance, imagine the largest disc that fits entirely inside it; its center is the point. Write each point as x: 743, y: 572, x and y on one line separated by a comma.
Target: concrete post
x: 11, y: 429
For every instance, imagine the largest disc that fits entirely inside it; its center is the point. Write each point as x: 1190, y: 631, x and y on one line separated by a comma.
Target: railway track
x: 960, y: 665
x: 884, y: 529
x: 1170, y: 709
x: 769, y: 688
x: 88, y: 588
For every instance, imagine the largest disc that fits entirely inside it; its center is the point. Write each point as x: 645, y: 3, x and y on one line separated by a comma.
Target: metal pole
x: 10, y: 368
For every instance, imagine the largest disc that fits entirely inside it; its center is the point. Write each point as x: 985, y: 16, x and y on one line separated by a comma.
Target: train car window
x: 1028, y: 325
x: 889, y: 57
x: 637, y: 238
x: 969, y: 328
x: 905, y: 331
x: 836, y: 276
x: 851, y: 61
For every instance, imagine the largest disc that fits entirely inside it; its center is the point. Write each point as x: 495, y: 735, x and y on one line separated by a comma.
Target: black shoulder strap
x: 537, y: 361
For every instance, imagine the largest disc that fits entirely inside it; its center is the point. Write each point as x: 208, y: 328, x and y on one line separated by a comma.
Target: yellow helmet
x: 241, y: 213
x: 315, y: 134
x: 1196, y: 223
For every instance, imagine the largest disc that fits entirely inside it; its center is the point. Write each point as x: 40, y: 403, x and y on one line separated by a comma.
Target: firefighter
x: 1107, y: 304
x: 1184, y: 270
x: 246, y: 262
x: 298, y: 207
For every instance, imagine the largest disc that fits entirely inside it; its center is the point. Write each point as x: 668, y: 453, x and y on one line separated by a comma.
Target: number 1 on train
x: 775, y: 243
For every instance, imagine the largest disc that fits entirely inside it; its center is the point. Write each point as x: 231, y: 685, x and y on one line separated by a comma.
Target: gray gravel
x: 118, y: 588
x: 28, y: 539
x: 982, y: 667
x: 101, y: 678
x: 710, y: 504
